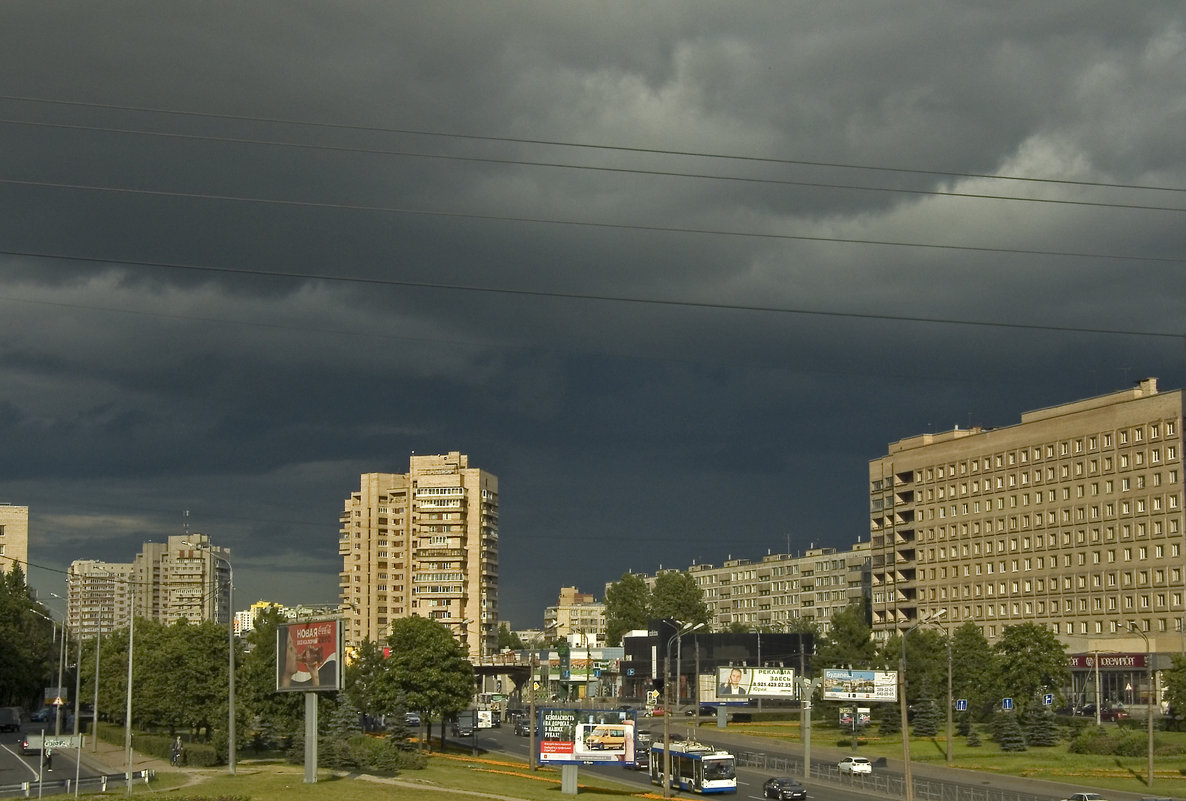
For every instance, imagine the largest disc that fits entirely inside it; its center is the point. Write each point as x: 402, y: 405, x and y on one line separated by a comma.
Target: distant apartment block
x: 14, y: 537
x: 576, y: 617
x: 166, y: 582
x: 1072, y: 519
x: 782, y: 592
x: 425, y: 543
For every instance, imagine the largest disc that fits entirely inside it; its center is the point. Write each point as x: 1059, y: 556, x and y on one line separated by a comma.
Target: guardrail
x: 67, y: 785
x: 882, y: 784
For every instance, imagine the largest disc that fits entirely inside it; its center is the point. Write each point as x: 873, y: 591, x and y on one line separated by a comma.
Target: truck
x: 10, y: 718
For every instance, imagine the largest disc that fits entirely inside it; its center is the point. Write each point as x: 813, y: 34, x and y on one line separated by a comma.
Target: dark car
x: 463, y: 730
x: 705, y: 711
x: 784, y: 788
x: 1114, y: 713
x: 523, y: 726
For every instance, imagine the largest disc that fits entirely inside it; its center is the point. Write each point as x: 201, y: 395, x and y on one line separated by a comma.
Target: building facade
x: 182, y: 578
x: 1072, y: 519
x: 782, y: 592
x: 14, y: 537
x: 425, y: 543
x: 577, y: 617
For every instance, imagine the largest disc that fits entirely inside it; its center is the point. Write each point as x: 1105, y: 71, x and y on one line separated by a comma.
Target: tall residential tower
x: 422, y: 543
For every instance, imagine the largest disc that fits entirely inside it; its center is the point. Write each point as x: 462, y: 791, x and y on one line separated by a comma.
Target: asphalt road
x: 749, y: 781
x: 16, y: 768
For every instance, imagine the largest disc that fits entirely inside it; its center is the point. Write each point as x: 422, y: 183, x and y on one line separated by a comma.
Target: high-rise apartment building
x: 1072, y: 519
x: 577, y: 617
x: 422, y: 543
x: 98, y: 596
x: 167, y: 581
x: 14, y: 537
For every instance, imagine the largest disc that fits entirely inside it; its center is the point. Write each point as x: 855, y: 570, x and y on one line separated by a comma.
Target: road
x: 749, y: 781
x: 16, y: 768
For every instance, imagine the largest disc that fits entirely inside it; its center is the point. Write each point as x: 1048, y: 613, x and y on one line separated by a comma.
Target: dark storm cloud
x: 438, y: 155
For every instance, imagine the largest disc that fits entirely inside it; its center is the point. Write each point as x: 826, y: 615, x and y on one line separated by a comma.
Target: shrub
x: 1109, y: 741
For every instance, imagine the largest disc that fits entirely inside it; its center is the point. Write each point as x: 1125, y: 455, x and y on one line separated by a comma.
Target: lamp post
x: 681, y: 629
x: 230, y: 591
x: 1149, y: 701
x: 907, y: 772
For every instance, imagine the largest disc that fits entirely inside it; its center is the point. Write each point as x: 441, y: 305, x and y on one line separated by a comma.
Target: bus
x: 695, y: 767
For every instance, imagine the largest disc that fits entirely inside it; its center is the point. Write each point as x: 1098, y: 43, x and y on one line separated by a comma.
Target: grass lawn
x: 450, y: 777
x: 1055, y: 763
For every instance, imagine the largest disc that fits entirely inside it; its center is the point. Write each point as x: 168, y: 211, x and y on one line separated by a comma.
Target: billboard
x: 586, y: 737
x: 309, y: 656
x: 741, y: 683
x: 862, y: 685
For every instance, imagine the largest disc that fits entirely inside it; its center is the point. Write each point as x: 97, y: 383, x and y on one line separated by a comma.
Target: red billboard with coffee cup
x: 309, y: 656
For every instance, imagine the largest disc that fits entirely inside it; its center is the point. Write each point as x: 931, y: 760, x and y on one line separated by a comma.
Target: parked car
x: 42, y: 715
x: 706, y: 710
x: 854, y: 764
x: 1084, y: 797
x: 1114, y: 713
x: 784, y: 788
x: 1087, y: 711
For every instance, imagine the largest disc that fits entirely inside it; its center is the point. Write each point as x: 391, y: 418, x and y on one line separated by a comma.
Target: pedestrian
x: 49, y: 759
x: 175, y: 753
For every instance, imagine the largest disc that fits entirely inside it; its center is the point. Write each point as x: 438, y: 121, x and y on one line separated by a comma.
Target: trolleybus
x: 696, y: 767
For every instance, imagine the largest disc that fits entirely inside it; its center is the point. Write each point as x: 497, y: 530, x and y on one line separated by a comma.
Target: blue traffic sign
x: 1006, y: 703
x: 961, y: 704
x: 1048, y: 699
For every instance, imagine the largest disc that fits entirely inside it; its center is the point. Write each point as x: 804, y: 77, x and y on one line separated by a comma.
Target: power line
x: 582, y: 145
x: 556, y: 295
x: 667, y: 229
x: 597, y: 168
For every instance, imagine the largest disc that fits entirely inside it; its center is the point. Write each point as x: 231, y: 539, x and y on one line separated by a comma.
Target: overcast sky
x: 674, y: 271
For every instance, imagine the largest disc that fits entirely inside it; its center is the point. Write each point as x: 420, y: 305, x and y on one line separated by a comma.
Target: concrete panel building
x: 14, y: 537
x: 1072, y: 519
x: 425, y: 543
x: 577, y: 617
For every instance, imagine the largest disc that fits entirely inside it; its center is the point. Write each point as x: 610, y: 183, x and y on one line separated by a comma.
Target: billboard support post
x: 310, y: 738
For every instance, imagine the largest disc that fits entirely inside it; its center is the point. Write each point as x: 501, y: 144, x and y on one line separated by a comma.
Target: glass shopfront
x: 1122, y: 680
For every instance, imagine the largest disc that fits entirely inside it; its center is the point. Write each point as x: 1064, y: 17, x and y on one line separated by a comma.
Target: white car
x: 854, y: 765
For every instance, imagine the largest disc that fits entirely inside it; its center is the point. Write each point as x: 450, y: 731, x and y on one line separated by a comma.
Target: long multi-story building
x: 14, y: 537
x: 182, y: 578
x: 1072, y: 519
x: 422, y: 543
x: 782, y: 592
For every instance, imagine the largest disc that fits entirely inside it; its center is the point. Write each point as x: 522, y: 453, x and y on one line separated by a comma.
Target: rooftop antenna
x: 185, y: 522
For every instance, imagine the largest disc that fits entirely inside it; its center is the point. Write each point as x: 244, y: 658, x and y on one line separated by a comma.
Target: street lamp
x: 230, y: 591
x: 907, y: 773
x: 1149, y: 700
x: 682, y: 629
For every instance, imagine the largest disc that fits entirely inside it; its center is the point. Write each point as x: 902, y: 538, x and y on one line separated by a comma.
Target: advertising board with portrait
x: 738, y: 684
x: 309, y: 656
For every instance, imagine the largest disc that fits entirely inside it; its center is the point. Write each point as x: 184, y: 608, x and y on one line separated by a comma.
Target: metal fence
x: 883, y: 784
x: 116, y: 781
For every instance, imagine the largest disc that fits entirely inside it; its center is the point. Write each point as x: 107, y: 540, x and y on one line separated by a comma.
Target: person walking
x: 175, y: 753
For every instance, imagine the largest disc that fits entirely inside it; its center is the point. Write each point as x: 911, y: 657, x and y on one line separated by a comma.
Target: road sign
x: 1006, y: 703
x: 961, y: 704
x: 1048, y: 699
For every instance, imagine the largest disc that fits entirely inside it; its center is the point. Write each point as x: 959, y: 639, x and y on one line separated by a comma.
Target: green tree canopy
x: 428, y: 669
x: 677, y: 596
x: 27, y: 648
x: 849, y: 641
x: 974, y: 671
x: 274, y: 717
x: 508, y: 639
x: 627, y: 607
x: 1031, y: 662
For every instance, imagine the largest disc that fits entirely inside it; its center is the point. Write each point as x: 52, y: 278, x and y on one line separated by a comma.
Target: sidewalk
x: 111, y: 758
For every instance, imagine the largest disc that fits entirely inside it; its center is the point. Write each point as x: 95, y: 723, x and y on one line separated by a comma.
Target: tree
x: 276, y: 717
x: 428, y: 668
x: 973, y: 669
x: 627, y: 607
x: 849, y: 640
x: 27, y: 647
x: 1031, y: 662
x: 508, y: 639
x: 365, y: 682
x: 677, y: 596
x: 1175, y: 685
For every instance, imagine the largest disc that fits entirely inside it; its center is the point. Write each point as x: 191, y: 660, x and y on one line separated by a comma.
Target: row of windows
x: 1023, y: 479
x: 1054, y: 584
x: 1052, y: 450
x: 1158, y: 551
